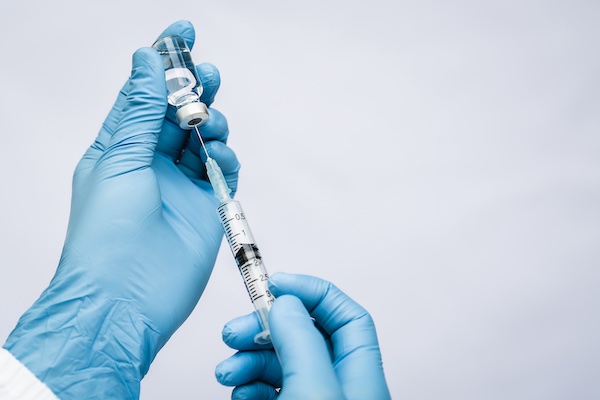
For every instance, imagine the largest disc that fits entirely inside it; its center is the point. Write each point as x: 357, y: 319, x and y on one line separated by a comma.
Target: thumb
x: 132, y: 144
x: 305, y: 361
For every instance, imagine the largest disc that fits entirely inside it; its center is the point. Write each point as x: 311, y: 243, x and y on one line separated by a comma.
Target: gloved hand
x: 336, y: 358
x: 142, y: 240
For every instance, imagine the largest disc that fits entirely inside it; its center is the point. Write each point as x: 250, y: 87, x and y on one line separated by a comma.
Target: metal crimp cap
x: 192, y: 114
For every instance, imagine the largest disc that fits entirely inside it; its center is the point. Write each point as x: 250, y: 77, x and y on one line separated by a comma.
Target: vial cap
x: 192, y: 114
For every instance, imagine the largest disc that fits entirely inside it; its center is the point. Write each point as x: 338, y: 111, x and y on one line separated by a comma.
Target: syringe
x: 242, y: 245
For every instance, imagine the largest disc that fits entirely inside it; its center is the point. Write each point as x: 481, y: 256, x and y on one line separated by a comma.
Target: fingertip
x: 230, y: 331
x: 224, y: 156
x: 254, y: 390
x: 226, y: 333
x: 242, y: 393
x: 309, y: 289
x: 216, y: 127
x: 181, y: 28
x: 288, y: 306
x: 248, y: 366
x: 277, y: 281
x: 211, y: 81
x: 228, y: 162
x: 222, y: 373
x: 239, y: 333
x: 148, y: 59
x: 305, y: 287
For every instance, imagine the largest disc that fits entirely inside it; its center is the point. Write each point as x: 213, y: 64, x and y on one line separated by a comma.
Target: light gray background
x: 439, y: 161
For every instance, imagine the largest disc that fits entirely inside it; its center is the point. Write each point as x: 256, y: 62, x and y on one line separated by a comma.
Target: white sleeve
x: 18, y: 383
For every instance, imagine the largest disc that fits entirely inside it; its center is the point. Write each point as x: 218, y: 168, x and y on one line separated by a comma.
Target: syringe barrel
x: 249, y: 261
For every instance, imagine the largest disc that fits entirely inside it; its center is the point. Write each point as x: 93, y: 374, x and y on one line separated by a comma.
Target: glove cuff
x: 83, y: 346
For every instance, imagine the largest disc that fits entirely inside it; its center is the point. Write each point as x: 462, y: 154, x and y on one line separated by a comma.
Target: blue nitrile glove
x: 341, y: 361
x: 142, y: 240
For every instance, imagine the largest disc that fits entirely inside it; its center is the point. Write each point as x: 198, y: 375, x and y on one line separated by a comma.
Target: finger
x: 211, y: 81
x: 239, y: 333
x: 174, y: 141
x: 192, y: 165
x: 254, y: 391
x: 215, y: 128
x: 305, y: 361
x: 228, y: 162
x: 132, y: 144
x: 351, y: 328
x: 248, y: 366
x: 182, y: 28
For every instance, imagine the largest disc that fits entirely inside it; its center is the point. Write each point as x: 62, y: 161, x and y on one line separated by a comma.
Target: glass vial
x: 183, y: 85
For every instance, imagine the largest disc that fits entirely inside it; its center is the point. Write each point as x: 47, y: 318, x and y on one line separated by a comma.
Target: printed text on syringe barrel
x: 246, y: 253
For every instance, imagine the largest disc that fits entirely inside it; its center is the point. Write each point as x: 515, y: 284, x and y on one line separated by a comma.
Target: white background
x: 439, y: 161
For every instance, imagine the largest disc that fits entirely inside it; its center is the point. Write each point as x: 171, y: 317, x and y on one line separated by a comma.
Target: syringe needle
x: 201, y: 141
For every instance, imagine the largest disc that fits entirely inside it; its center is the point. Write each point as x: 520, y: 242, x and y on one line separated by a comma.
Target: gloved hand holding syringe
x: 184, y: 90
